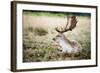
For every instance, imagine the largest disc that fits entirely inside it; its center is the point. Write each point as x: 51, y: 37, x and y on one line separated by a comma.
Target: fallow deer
x: 67, y: 46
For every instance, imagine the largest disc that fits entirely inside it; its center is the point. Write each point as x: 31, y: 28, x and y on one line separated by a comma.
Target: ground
x: 39, y: 30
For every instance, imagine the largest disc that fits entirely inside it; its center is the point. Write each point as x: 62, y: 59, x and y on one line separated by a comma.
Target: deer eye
x: 58, y: 36
x: 53, y: 39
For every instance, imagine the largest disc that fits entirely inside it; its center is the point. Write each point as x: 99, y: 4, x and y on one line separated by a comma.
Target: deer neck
x: 67, y: 40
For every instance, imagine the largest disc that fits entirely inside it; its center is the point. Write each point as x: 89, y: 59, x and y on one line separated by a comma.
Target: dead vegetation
x: 38, y: 32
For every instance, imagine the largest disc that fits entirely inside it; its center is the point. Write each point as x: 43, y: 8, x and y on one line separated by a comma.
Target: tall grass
x: 37, y: 42
x: 36, y: 50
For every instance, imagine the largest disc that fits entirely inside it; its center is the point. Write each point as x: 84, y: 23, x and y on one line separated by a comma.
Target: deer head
x: 66, y: 44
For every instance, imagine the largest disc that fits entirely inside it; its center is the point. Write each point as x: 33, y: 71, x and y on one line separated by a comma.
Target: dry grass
x: 38, y: 33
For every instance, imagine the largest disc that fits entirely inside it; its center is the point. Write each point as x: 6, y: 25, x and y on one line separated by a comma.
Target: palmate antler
x: 64, y: 44
x: 72, y: 25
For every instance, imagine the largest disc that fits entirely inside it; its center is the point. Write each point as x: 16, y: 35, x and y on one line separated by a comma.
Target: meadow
x: 39, y: 30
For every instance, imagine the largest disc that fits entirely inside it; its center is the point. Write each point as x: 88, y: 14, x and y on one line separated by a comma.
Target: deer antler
x: 61, y: 31
x: 72, y: 25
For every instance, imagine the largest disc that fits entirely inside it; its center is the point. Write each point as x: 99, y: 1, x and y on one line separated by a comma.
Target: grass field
x: 39, y: 30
